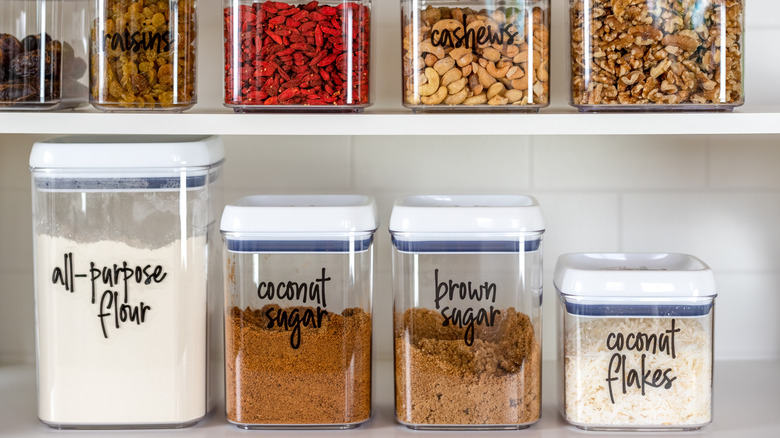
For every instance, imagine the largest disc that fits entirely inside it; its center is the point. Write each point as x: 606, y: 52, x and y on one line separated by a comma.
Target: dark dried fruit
x: 17, y: 92
x: 33, y: 42
x: 10, y: 47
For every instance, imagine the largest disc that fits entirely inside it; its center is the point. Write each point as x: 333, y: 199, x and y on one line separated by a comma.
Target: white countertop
x: 747, y: 405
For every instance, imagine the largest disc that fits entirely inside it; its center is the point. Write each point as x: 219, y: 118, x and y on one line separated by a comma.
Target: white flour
x: 145, y: 373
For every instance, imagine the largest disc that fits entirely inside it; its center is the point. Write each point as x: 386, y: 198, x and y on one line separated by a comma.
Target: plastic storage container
x: 43, y: 60
x: 143, y: 55
x: 467, y: 284
x: 298, y: 317
x: 656, y: 55
x: 636, y: 340
x: 122, y: 229
x: 297, y: 55
x: 471, y: 54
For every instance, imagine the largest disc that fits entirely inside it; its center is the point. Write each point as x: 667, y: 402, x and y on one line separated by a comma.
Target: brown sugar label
x: 627, y: 372
x: 294, y: 319
x: 465, y: 317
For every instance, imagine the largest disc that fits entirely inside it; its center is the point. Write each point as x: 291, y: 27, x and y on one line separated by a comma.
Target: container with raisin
x: 475, y: 54
x: 143, y: 55
x: 656, y: 54
x: 43, y: 62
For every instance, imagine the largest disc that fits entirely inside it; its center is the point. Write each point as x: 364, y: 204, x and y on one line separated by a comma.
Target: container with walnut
x: 656, y: 54
x: 298, y: 290
x: 475, y: 55
x: 467, y: 285
x: 142, y: 55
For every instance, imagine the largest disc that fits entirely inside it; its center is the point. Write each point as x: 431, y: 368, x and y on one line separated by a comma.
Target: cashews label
x: 470, y: 36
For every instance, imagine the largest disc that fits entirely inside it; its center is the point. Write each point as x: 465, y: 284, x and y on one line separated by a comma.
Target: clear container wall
x: 297, y: 55
x: 656, y: 54
x: 467, y: 333
x: 298, y: 332
x: 637, y: 370
x: 121, y: 273
x: 142, y: 55
x: 469, y: 54
x: 43, y: 62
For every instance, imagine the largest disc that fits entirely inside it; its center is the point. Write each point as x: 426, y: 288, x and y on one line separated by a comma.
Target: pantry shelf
x: 555, y: 121
x: 746, y: 404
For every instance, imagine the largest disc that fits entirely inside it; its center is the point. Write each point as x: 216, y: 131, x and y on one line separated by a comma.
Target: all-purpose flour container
x: 467, y: 284
x: 121, y: 231
x: 636, y: 341
x: 298, y: 290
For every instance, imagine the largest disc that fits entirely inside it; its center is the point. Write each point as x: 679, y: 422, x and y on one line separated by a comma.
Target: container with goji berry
x: 293, y: 55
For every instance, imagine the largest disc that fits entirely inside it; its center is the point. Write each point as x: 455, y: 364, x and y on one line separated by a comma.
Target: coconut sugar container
x: 467, y: 288
x: 636, y: 341
x: 298, y: 291
x: 297, y: 55
x: 122, y: 229
x: 475, y: 55
x: 43, y: 61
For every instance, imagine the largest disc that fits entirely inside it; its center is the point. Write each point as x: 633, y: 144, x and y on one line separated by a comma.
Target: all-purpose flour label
x: 121, y: 331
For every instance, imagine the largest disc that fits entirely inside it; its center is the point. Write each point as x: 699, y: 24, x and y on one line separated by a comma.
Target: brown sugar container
x: 467, y: 286
x: 298, y: 290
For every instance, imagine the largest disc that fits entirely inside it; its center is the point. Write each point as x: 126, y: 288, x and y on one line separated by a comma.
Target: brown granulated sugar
x: 326, y: 380
x: 442, y: 381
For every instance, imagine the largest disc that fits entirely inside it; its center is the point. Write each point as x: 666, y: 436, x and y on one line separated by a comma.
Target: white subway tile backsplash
x: 746, y: 322
x: 731, y: 231
x: 279, y: 164
x: 744, y: 162
x: 618, y: 162
x: 433, y: 164
x: 17, y: 317
x: 16, y: 254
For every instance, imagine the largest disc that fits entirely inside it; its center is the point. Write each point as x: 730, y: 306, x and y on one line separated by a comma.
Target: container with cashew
x: 656, y: 54
x: 471, y: 54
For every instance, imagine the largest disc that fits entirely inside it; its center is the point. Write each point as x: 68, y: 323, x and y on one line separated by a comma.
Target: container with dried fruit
x: 293, y: 55
x: 142, y: 55
x: 467, y: 288
x: 42, y: 54
x: 298, y: 290
x: 476, y: 55
x: 656, y: 54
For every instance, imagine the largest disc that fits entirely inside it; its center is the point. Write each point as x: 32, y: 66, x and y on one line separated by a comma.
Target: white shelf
x: 555, y: 121
x: 747, y: 403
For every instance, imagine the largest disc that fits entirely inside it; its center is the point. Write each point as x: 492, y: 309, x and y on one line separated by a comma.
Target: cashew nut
x: 495, y: 90
x: 478, y: 99
x: 485, y: 78
x: 428, y: 47
x: 491, y: 54
x: 514, y: 72
x: 465, y: 59
x: 457, y: 98
x: 451, y: 76
x: 458, y: 85
x: 520, y: 84
x: 433, y: 83
x: 541, y: 72
x: 498, y: 100
x: 436, y: 98
x: 444, y: 65
x: 497, y: 72
x: 466, y: 70
x: 430, y: 59
x: 513, y: 96
x: 458, y: 52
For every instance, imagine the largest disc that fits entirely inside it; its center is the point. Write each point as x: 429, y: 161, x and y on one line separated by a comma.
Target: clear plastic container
x: 636, y: 336
x: 297, y: 55
x: 56, y: 29
x: 298, y: 319
x: 467, y: 288
x: 122, y: 232
x: 143, y: 55
x: 656, y: 55
x: 476, y: 55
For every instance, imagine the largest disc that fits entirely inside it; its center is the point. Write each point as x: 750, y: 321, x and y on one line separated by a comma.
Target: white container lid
x: 116, y: 152
x: 300, y: 214
x: 631, y: 276
x: 466, y: 214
